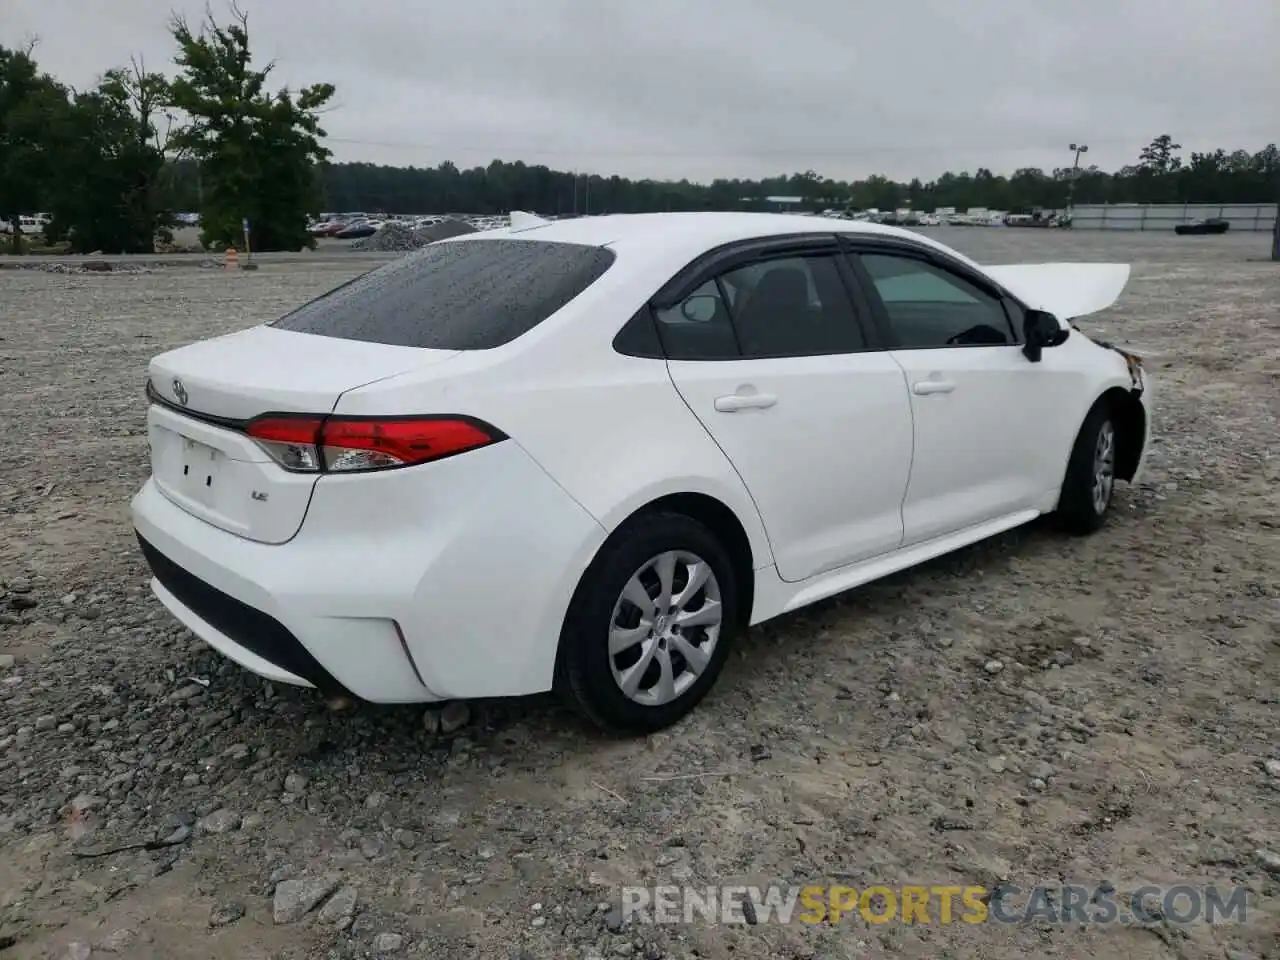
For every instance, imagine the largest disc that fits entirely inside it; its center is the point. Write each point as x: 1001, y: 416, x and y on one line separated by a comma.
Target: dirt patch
x: 1122, y: 742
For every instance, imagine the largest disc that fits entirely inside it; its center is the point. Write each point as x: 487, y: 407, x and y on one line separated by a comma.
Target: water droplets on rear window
x: 463, y: 295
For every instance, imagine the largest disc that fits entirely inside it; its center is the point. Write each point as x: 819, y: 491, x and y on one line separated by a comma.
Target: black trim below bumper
x: 250, y: 628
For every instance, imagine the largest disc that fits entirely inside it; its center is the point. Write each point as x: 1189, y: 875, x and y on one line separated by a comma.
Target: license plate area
x: 200, y: 465
x: 189, y: 468
x: 225, y: 479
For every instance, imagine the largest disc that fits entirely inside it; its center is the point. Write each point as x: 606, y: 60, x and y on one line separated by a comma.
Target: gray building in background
x: 1244, y: 217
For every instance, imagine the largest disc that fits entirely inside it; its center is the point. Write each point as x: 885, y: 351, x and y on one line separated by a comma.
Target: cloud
x: 699, y: 89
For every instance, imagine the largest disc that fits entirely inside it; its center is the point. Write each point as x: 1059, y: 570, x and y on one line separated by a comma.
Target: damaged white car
x: 583, y: 455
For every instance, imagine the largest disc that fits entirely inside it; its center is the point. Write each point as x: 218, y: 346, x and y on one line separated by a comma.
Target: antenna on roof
x: 526, y: 221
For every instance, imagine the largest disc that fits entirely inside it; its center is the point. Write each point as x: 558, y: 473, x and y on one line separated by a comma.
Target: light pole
x: 1079, y: 148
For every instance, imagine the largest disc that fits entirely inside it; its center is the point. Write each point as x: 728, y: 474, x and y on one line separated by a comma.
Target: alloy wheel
x: 1104, y: 467
x: 665, y: 627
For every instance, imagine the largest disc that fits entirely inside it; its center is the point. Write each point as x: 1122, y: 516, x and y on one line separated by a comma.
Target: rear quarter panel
x: 614, y: 434
x: 610, y: 429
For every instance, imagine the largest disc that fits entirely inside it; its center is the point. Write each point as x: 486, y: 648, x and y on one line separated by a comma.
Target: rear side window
x: 699, y: 327
x: 793, y: 307
x: 461, y: 295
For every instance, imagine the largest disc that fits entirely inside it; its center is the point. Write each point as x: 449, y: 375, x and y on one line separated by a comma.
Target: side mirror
x: 699, y: 309
x: 1041, y: 330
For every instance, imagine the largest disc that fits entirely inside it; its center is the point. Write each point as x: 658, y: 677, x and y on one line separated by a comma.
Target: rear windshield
x: 461, y: 295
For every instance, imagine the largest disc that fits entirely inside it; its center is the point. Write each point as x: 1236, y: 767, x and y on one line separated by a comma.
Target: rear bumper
x: 253, y: 639
x: 445, y: 581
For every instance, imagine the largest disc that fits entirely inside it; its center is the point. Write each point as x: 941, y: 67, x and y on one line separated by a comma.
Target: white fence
x: 1250, y: 217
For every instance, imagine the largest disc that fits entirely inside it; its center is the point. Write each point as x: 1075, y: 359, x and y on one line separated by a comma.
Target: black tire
x: 584, y: 675
x: 1080, y: 512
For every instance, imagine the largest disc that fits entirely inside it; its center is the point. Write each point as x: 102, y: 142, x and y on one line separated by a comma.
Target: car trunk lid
x: 205, y: 394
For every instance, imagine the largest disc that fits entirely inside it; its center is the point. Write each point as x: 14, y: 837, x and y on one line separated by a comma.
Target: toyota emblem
x: 179, y: 391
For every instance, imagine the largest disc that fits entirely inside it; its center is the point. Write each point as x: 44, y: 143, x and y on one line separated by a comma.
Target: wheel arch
x: 721, y: 520
x: 709, y: 496
x: 1130, y: 419
x: 714, y: 514
x: 1129, y: 415
x: 728, y: 529
x: 708, y: 510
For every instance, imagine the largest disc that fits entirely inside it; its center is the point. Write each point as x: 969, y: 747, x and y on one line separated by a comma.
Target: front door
x: 979, y: 410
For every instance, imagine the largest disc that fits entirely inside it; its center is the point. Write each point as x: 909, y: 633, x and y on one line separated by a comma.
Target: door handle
x: 745, y: 401
x: 923, y: 388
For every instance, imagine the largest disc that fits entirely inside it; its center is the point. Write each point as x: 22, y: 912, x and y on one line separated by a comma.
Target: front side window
x: 931, y: 307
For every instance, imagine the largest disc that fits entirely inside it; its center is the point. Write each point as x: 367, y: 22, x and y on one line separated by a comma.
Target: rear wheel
x: 647, y: 632
x: 1090, y: 482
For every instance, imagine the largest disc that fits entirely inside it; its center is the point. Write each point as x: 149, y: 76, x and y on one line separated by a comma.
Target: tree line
x: 1160, y: 175
x: 111, y: 164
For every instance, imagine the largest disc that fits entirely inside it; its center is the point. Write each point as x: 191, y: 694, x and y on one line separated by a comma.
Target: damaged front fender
x: 1137, y: 372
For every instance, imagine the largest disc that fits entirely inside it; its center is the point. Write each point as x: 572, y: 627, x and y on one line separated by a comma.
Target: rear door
x: 774, y: 361
x: 983, y: 413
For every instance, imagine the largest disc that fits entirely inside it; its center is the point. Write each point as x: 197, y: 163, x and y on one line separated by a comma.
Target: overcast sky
x: 705, y: 88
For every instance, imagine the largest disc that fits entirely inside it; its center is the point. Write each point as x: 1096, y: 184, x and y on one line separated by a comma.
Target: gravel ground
x: 1124, y: 738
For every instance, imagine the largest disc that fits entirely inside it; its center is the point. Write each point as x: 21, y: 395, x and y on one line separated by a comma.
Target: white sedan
x: 583, y: 455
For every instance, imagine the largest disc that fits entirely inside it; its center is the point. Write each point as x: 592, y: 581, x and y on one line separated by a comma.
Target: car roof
x: 688, y: 234
x: 708, y: 227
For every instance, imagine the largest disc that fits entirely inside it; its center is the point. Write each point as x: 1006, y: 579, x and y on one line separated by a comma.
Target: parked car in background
x: 1209, y: 226
x: 358, y: 229
x: 583, y: 455
x: 489, y: 223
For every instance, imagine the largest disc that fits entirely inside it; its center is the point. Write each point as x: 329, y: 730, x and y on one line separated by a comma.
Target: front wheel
x: 649, y: 627
x: 1090, y: 482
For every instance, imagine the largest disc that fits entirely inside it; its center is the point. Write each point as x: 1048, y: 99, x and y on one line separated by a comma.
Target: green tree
x: 259, y: 153
x: 1159, y: 156
x: 107, y: 192
x: 30, y: 101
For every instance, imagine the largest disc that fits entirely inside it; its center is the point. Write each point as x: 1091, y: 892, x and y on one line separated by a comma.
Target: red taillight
x: 346, y: 444
x: 373, y: 444
x: 293, y: 442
